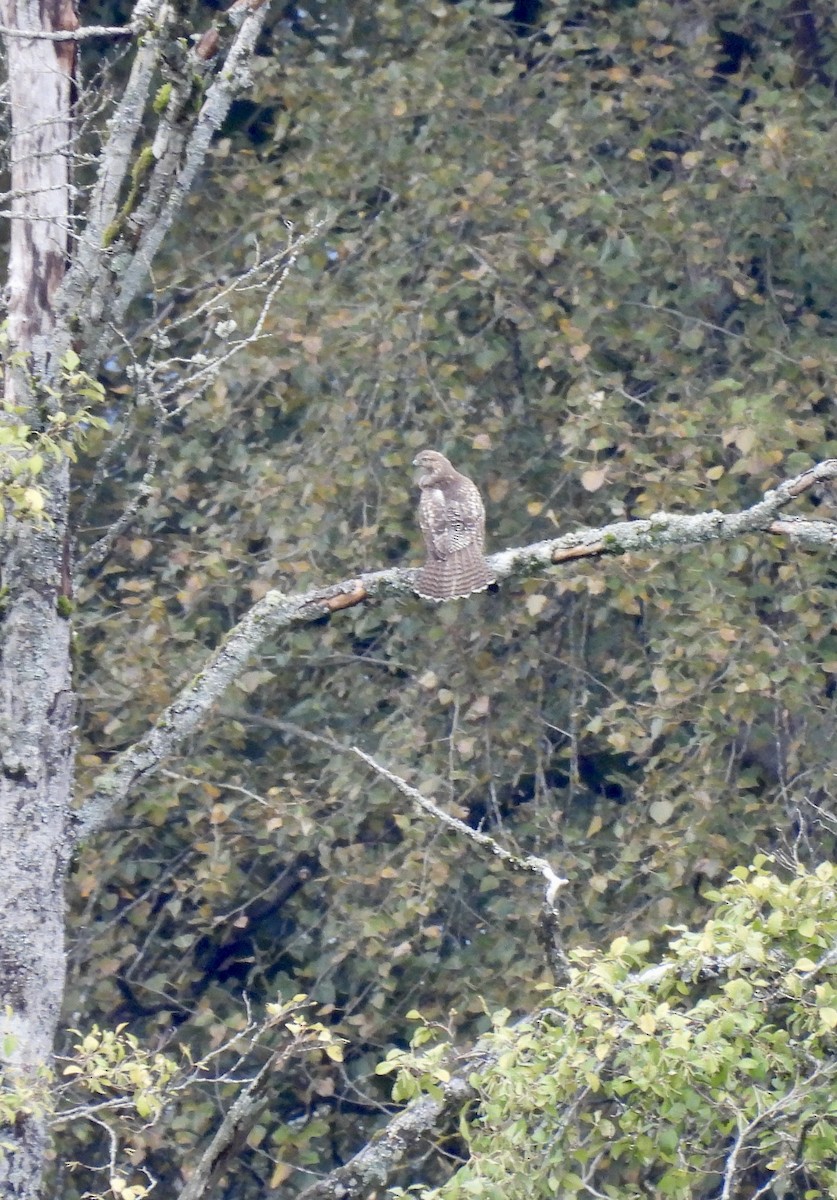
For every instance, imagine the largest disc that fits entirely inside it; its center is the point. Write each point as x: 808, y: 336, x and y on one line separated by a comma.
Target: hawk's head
x: 431, y: 459
x: 434, y: 466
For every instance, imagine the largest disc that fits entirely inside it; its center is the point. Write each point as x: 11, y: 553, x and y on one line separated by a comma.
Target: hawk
x: 452, y: 519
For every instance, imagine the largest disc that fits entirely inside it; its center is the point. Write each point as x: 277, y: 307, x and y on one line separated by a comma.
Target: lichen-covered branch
x: 88, y: 273
x: 86, y: 33
x: 141, y: 193
x: 276, y: 611
x: 527, y: 863
x: 231, y: 1134
x: 230, y: 77
x: 375, y: 1164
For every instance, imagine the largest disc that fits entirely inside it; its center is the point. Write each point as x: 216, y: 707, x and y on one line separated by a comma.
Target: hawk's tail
x: 460, y: 574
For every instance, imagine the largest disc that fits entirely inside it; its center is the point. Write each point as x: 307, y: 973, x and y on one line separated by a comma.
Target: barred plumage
x: 452, y: 519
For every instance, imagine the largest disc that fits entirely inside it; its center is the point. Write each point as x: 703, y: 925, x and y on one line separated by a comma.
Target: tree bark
x: 36, y: 739
x: 36, y: 692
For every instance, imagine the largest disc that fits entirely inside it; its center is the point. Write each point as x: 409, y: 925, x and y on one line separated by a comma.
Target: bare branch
x: 288, y: 256
x: 85, y: 34
x: 528, y: 863
x: 173, y: 184
x: 101, y: 549
x: 276, y: 611
x: 89, y: 259
x: 780, y: 1107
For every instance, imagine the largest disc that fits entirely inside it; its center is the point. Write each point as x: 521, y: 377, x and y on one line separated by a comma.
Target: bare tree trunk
x: 35, y: 686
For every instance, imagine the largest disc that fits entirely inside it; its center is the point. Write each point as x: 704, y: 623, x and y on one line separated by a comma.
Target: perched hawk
x: 452, y: 519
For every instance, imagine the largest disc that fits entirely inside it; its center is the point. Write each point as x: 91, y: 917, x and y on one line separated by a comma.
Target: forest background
x: 587, y: 252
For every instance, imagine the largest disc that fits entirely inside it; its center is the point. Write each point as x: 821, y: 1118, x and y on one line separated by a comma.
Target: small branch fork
x: 268, y: 274
x: 276, y: 611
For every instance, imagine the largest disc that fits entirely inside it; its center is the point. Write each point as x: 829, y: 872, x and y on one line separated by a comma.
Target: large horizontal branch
x: 276, y: 611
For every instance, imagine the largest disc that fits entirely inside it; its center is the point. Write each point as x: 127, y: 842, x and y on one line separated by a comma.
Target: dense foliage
x: 711, y: 1074
x: 591, y: 260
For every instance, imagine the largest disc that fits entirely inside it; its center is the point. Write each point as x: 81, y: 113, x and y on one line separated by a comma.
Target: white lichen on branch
x: 277, y: 611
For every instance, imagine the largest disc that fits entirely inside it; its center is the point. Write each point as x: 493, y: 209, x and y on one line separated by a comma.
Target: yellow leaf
x: 33, y: 499
x: 804, y: 964
x: 745, y: 440
x: 535, y: 604
x: 828, y: 1016
x: 715, y: 472
x: 594, y: 826
x: 281, y: 1171
x: 660, y: 680
x: 660, y: 811
x: 480, y: 707
x: 141, y: 548
x: 647, y: 1023
x: 593, y: 479
x: 256, y: 1136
